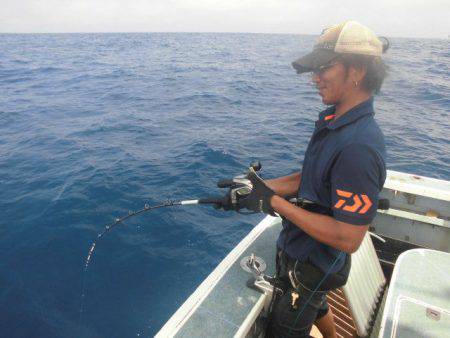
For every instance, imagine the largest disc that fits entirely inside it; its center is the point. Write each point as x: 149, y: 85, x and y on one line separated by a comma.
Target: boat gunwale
x: 190, y: 305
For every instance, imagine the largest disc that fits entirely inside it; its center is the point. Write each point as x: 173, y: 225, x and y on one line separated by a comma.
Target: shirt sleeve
x: 357, y: 178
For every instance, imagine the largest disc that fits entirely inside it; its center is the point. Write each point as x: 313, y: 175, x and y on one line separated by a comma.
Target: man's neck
x: 343, y: 107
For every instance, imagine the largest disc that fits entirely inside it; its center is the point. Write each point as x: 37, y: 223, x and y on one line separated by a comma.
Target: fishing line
x: 315, y: 290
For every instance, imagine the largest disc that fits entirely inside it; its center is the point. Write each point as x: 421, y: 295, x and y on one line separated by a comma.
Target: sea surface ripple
x: 95, y: 125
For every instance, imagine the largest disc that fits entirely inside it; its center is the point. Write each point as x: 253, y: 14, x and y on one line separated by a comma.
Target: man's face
x: 333, y: 83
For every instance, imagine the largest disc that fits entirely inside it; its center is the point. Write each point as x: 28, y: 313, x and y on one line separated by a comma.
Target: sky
x: 393, y: 18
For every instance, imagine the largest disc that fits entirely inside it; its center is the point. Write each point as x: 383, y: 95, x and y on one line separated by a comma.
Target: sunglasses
x: 322, y: 69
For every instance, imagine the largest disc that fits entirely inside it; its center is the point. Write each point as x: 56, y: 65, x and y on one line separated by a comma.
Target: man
x: 337, y: 189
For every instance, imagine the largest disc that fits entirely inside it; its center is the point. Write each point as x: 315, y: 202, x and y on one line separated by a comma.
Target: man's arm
x: 340, y: 235
x: 286, y: 186
x: 355, y: 188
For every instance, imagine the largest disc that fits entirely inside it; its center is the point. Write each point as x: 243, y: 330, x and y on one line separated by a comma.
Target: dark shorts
x: 287, y: 320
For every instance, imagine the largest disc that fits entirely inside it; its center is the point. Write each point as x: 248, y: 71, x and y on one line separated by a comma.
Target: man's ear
x: 357, y: 74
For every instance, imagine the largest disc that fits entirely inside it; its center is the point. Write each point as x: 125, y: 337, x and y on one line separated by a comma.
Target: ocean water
x: 95, y: 125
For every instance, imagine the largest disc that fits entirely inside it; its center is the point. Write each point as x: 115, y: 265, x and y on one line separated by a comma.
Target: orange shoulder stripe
x: 344, y: 193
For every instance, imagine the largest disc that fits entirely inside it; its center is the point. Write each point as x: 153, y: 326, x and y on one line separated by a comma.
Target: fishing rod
x: 146, y: 208
x: 239, y: 187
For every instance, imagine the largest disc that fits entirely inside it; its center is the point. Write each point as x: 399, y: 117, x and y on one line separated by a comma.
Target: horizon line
x: 196, y: 32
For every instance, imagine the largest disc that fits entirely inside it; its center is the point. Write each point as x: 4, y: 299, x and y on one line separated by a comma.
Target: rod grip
x: 210, y: 200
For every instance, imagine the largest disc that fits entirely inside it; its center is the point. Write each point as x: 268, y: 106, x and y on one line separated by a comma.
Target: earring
x: 356, y: 83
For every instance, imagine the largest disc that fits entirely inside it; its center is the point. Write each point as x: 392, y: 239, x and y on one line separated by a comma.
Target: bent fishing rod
x: 146, y: 208
x: 239, y: 186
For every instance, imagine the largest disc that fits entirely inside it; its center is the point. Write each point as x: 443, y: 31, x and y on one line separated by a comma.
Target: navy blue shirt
x: 343, y: 171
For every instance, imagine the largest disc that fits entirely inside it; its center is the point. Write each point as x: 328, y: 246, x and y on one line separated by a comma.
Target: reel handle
x: 225, y: 183
x: 256, y: 165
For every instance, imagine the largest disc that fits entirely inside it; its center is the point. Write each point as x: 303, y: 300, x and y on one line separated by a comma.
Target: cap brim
x: 317, y: 58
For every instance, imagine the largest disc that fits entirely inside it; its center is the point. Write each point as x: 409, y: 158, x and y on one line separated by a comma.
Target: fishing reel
x: 239, y: 188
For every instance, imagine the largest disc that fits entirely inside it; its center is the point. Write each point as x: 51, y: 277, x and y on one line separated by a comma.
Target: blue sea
x: 95, y: 125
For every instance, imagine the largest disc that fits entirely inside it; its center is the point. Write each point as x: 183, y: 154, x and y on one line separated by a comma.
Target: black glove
x: 259, y: 198
x: 225, y: 203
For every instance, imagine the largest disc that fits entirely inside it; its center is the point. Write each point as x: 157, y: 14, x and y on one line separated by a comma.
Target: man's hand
x: 238, y: 188
x: 259, y: 198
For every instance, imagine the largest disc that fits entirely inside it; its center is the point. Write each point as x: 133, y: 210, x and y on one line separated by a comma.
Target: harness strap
x: 311, y: 206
